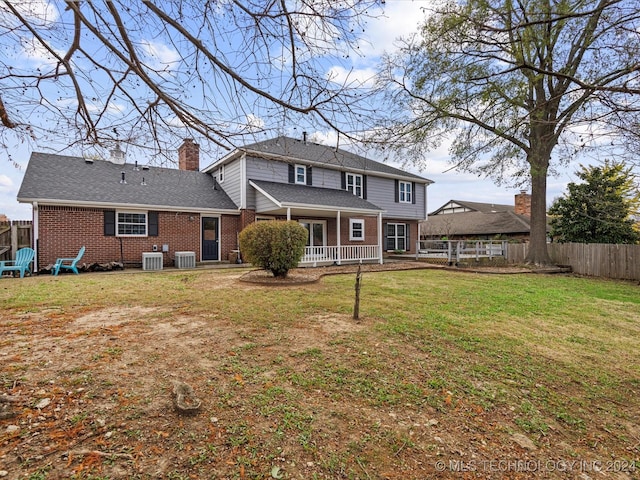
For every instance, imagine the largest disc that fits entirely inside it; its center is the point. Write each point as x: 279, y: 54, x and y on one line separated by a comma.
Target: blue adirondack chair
x: 67, y: 263
x: 24, y: 257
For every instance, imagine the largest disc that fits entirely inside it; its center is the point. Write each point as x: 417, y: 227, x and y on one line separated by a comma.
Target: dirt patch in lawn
x: 90, y: 394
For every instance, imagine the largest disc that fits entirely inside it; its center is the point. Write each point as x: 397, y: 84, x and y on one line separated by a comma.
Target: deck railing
x: 452, y: 251
x: 339, y: 255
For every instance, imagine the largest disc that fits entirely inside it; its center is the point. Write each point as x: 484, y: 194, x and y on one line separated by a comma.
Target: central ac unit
x: 152, y: 261
x: 185, y: 259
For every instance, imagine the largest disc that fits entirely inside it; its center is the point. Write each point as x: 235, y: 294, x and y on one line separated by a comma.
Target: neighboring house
x: 354, y: 208
x: 460, y: 220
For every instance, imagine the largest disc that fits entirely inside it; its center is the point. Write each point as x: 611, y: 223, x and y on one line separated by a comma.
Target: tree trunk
x: 538, y: 253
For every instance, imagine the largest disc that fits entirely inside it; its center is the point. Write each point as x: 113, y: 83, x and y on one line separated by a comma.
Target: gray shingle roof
x: 290, y: 194
x: 477, y: 206
x: 72, y: 180
x: 293, y: 149
x: 476, y: 223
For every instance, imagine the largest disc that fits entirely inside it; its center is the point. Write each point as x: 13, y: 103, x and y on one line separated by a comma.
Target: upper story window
x: 354, y: 184
x: 405, y: 192
x: 221, y: 174
x: 131, y: 224
x: 301, y: 174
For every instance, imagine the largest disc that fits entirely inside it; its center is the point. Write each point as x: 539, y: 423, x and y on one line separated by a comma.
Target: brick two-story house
x: 354, y: 208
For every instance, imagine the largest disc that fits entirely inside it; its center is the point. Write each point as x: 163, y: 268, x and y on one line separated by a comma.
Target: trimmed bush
x: 276, y: 246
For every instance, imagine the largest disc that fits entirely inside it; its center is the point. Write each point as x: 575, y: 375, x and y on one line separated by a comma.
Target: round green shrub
x: 276, y: 246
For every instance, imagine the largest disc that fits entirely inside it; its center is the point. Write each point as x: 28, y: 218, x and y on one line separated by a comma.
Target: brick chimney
x: 523, y: 203
x: 189, y: 155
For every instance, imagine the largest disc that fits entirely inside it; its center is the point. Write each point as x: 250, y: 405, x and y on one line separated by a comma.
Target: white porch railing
x: 344, y: 253
x: 455, y: 250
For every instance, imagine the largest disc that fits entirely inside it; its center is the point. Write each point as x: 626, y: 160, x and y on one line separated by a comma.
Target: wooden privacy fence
x: 14, y: 236
x: 594, y: 259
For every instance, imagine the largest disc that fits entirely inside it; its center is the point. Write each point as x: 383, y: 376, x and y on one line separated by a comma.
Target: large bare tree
x: 142, y: 72
x: 517, y: 86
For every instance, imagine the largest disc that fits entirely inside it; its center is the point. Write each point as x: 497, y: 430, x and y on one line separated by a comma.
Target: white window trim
x: 352, y: 222
x: 353, y: 185
x: 396, y: 236
x: 408, y: 194
x: 304, y: 175
x: 221, y: 174
x: 264, y: 218
x: 146, y: 223
x: 324, y: 229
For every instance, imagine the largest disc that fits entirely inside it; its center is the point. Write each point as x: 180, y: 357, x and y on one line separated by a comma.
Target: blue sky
x: 401, y: 17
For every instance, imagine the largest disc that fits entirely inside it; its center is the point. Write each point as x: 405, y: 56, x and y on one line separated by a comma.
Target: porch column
x: 339, y: 259
x: 288, y: 214
x: 380, y: 237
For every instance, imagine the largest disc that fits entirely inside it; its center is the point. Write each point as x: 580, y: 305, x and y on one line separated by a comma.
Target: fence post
x: 14, y: 239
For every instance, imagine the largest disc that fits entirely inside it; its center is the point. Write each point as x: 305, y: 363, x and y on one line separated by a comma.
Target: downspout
x: 243, y: 182
x: 36, y: 235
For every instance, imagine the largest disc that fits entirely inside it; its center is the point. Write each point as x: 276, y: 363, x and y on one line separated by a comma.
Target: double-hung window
x: 356, y: 229
x: 405, y: 192
x: 354, y: 184
x: 301, y: 174
x: 131, y: 224
x: 221, y: 174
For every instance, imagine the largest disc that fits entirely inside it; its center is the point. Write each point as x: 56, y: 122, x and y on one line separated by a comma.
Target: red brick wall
x: 230, y: 226
x: 370, y: 231
x: 189, y: 155
x: 247, y: 217
x: 523, y: 203
x: 63, y: 230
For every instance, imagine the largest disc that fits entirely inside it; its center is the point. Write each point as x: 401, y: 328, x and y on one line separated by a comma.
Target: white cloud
x: 37, y: 54
x: 6, y: 184
x: 364, y: 77
x: 254, y: 123
x: 399, y: 18
x: 160, y: 54
x: 40, y: 12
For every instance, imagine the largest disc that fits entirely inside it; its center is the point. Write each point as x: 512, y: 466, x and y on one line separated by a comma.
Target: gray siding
x: 275, y: 171
x: 231, y: 181
x: 381, y: 192
x: 263, y: 204
x: 326, y: 178
x: 261, y: 169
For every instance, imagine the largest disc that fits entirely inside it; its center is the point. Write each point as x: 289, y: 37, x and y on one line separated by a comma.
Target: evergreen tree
x: 599, y: 210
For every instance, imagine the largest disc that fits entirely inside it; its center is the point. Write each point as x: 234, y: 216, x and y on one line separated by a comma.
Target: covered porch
x: 343, y: 228
x: 316, y: 255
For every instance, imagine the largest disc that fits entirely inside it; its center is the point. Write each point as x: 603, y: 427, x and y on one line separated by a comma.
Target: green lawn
x: 443, y: 366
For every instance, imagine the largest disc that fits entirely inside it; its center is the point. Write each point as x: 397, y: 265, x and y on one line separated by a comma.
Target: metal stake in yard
x: 356, y: 307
